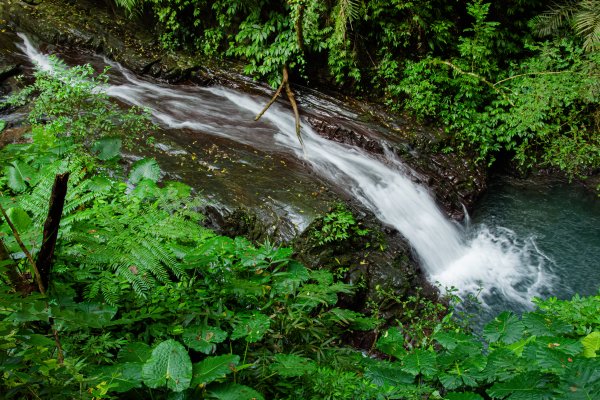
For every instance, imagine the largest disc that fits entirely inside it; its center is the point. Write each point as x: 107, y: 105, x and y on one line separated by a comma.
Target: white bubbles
x: 501, y: 265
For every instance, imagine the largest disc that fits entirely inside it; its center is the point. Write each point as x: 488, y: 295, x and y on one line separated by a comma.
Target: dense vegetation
x: 141, y: 301
x: 516, y: 78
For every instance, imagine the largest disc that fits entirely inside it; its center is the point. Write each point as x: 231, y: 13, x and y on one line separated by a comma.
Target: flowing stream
x: 508, y: 269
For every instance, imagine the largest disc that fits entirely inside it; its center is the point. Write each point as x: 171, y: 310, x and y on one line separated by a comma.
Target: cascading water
x: 467, y: 258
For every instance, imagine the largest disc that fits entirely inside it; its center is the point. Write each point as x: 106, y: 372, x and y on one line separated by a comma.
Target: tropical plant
x: 582, y: 15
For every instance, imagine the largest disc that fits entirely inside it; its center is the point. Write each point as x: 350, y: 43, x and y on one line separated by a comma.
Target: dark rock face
x: 9, y: 65
x: 86, y: 25
x: 13, y: 135
x: 338, y: 133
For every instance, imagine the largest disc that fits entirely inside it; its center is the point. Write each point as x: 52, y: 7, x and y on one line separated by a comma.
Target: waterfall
x: 468, y: 258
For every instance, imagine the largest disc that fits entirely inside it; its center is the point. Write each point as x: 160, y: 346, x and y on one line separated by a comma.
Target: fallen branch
x: 531, y: 74
x: 285, y: 83
x: 270, y: 103
x: 292, y: 98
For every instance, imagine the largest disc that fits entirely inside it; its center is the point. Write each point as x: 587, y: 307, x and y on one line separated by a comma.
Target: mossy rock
x: 378, y: 263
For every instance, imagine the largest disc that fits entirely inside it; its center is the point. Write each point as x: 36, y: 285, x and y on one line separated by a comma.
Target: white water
x: 466, y: 258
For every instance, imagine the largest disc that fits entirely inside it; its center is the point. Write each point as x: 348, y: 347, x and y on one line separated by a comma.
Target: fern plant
x: 139, y: 236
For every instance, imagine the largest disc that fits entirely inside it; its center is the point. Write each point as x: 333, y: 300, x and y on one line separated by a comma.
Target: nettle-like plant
x: 546, y: 354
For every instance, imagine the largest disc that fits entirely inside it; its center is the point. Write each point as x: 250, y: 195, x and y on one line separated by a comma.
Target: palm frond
x: 586, y: 23
x: 555, y: 18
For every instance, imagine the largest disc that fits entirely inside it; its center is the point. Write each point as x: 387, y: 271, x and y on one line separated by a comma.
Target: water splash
x: 505, y: 266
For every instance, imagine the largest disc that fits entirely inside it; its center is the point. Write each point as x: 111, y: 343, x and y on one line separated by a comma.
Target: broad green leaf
x: 99, y: 184
x: 146, y: 189
x: 591, y: 344
x: 522, y: 387
x: 420, y: 361
x: 564, y: 345
x: 187, y: 395
x: 2, y: 125
x: 391, y: 343
x: 462, y: 371
x: 462, y: 396
x: 289, y: 365
x: 253, y: 327
x: 19, y: 175
x: 234, y: 391
x: 581, y: 380
x: 539, y: 324
x: 19, y: 217
x: 123, y: 376
x: 342, y: 315
x: 289, y: 281
x: 146, y: 168
x: 505, y: 328
x: 203, y: 338
x: 135, y: 352
x: 169, y: 366
x: 388, y: 374
x: 464, y: 343
x: 37, y: 340
x: 545, y: 356
x: 108, y: 148
x: 517, y: 347
x: 212, y: 368
x: 31, y: 310
x: 503, y: 364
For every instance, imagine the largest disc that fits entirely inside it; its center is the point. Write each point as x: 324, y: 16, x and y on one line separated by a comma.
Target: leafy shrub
x: 338, y: 226
x: 70, y: 104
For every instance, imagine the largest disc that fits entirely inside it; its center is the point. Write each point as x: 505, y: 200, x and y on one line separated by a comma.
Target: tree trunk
x: 57, y: 202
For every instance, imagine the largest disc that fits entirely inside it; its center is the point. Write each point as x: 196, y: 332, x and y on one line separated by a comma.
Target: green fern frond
x: 132, y: 7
